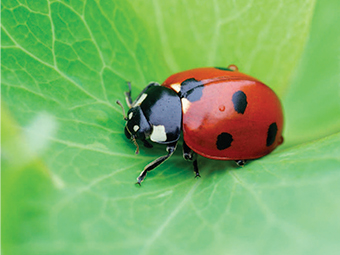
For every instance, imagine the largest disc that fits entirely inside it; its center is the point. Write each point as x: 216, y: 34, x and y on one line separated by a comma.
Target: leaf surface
x: 68, y: 170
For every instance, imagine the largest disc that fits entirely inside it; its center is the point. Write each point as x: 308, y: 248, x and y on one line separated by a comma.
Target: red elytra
x: 236, y: 117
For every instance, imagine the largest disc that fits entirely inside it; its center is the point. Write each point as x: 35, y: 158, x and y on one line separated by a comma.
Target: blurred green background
x: 68, y: 172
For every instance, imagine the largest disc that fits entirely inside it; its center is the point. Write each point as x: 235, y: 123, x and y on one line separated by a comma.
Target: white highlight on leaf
x: 58, y: 182
x: 140, y: 100
x: 158, y: 134
x: 38, y: 132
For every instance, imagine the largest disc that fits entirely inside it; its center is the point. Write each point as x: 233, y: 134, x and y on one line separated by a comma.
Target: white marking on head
x: 158, y: 134
x: 176, y: 87
x: 140, y: 100
x: 135, y: 128
x: 185, y: 105
x: 130, y: 115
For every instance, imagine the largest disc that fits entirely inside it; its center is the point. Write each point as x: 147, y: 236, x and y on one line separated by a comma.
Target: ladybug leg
x: 147, y: 144
x: 128, y: 98
x: 240, y: 162
x: 197, y: 174
x: 127, y: 94
x: 170, y: 149
x: 188, y: 154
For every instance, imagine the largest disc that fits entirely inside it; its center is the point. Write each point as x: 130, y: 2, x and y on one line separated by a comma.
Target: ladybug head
x: 156, y: 114
x: 137, y: 127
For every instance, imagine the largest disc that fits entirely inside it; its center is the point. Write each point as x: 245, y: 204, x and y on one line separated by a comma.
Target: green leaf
x: 312, y: 103
x: 68, y: 171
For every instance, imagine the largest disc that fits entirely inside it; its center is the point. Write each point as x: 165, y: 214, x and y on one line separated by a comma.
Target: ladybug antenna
x: 133, y: 139
x: 135, y: 143
x: 120, y: 104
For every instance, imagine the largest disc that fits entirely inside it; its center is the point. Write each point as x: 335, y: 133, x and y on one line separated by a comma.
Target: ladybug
x: 223, y: 114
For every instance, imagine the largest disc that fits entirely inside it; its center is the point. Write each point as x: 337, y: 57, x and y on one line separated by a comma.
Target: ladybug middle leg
x: 240, y: 162
x: 188, y: 154
x: 170, y: 149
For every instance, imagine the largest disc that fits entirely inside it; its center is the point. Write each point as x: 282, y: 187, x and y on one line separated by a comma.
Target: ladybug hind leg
x: 170, y: 149
x: 188, y: 154
x: 241, y: 162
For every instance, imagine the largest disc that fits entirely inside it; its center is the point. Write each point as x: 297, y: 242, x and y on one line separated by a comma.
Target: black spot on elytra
x: 224, y: 69
x: 240, y: 101
x: 195, y: 94
x: 191, y: 89
x: 271, y: 134
x: 224, y: 141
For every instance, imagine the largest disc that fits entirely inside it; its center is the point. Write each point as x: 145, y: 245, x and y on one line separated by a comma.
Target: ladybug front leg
x: 127, y: 94
x: 147, y: 144
x: 128, y: 97
x: 170, y: 149
x: 188, y: 154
